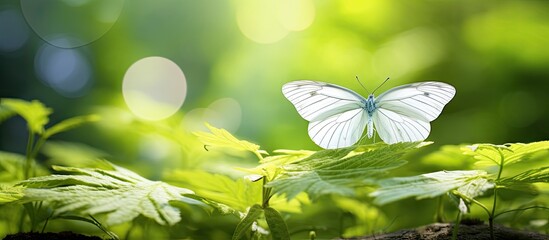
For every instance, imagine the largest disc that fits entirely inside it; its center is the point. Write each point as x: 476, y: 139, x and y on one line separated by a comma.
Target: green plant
x: 289, y: 178
x: 264, y: 195
x: 465, y: 186
x: 79, y: 193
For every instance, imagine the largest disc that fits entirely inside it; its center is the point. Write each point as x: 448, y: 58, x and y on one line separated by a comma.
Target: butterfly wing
x: 336, y: 114
x: 403, y: 113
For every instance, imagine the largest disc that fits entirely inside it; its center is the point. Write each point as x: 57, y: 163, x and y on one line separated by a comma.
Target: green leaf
x: 364, y: 214
x: 490, y: 154
x: 5, y: 113
x: 223, y: 139
x: 538, y: 175
x: 119, y: 193
x: 69, y: 124
x: 271, y: 166
x: 429, y: 185
x: 246, y: 223
x: 276, y: 223
x: 10, y: 193
x: 339, y: 171
x: 236, y: 194
x: 34, y: 112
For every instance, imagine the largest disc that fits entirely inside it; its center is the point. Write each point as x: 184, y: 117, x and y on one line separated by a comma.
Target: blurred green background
x: 73, y: 55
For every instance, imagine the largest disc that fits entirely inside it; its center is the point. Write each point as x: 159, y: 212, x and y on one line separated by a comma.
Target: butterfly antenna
x: 381, y: 85
x: 359, y: 82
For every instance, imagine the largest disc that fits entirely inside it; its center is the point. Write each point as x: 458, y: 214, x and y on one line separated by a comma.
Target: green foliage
x: 271, y: 166
x: 5, y: 113
x: 276, y: 223
x: 246, y: 223
x: 34, y: 112
x: 464, y: 186
x: 501, y: 155
x: 237, y: 194
x: 338, y: 171
x: 470, y: 183
x: 12, y: 167
x: 223, y: 139
x: 538, y: 175
x: 10, y: 193
x: 117, y: 192
x: 368, y: 218
x: 69, y: 124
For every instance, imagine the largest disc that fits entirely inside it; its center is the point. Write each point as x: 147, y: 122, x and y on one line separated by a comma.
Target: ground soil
x: 50, y: 236
x: 443, y: 231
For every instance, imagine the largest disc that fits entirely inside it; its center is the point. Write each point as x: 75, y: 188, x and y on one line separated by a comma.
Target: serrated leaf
x: 236, y: 194
x: 279, y: 230
x: 475, y: 187
x: 34, y: 112
x: 10, y: 193
x: 490, y: 154
x: 538, y: 175
x: 339, y: 171
x: 246, y: 223
x: 223, y: 139
x: 431, y: 185
x: 69, y: 124
x: 271, y: 166
x: 119, y: 193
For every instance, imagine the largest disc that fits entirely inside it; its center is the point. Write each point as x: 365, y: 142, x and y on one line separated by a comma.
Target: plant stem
x: 266, y: 193
x: 440, y: 211
x: 493, y: 212
x: 456, y: 226
x: 521, y: 209
x: 28, y: 162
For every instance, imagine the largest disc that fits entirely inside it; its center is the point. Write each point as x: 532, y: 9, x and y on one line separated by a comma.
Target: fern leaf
x: 119, y: 193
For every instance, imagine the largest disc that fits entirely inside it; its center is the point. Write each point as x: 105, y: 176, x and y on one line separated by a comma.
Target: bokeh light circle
x: 13, y: 30
x: 154, y: 88
x: 78, y: 21
x: 296, y: 15
x: 67, y: 71
x: 223, y: 113
x: 258, y: 21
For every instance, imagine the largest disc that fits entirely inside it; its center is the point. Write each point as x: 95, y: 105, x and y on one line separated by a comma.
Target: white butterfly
x: 338, y: 116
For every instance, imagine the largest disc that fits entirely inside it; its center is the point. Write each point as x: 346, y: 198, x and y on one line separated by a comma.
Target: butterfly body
x: 338, y: 116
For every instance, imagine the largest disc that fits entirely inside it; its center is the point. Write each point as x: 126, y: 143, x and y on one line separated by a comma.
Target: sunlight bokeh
x: 154, y: 88
x: 71, y: 23
x: 157, y: 71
